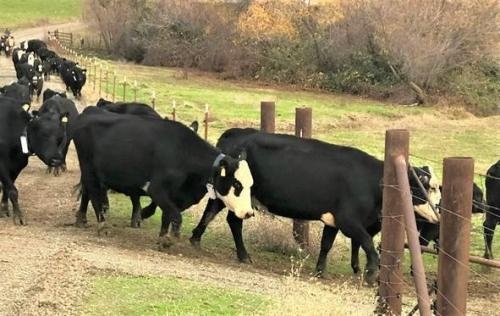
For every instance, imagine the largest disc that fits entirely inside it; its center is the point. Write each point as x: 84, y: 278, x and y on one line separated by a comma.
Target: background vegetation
x: 409, y: 52
x: 16, y: 14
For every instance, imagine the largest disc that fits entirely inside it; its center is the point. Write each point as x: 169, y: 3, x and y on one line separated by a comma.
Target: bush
x: 366, y: 47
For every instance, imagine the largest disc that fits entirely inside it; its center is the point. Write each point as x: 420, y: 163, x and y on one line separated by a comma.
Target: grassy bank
x: 19, y: 14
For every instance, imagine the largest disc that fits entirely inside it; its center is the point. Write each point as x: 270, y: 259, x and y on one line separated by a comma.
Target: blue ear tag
x: 211, y: 191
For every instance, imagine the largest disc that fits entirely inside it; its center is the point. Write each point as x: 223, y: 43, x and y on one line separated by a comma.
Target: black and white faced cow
x: 21, y: 136
x: 162, y: 159
x: 492, y: 184
x: 308, y: 180
x: 429, y: 228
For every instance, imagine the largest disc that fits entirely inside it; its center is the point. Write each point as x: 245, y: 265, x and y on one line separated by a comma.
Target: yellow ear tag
x: 222, y: 172
x: 26, y: 107
x: 64, y: 120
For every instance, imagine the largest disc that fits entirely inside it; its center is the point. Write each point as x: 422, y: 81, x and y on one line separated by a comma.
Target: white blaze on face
x: 31, y: 59
x: 19, y: 54
x: 434, y: 195
x: 241, y: 205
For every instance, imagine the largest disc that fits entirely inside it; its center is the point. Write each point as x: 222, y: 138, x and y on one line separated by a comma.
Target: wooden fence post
x: 153, y: 100
x: 267, y: 116
x: 417, y: 263
x: 393, y: 231
x: 303, y: 129
x: 454, y: 236
x: 95, y: 73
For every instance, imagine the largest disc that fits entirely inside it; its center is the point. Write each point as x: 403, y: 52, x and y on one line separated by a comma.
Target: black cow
x: 35, y: 45
x: 163, y: 159
x: 62, y: 107
x: 133, y: 108
x: 45, y: 53
x: 17, y: 91
x: 492, y: 184
x: 49, y: 93
x: 55, y: 64
x: 309, y: 180
x: 430, y: 231
x: 25, y: 70
x: 74, y: 77
x: 21, y: 135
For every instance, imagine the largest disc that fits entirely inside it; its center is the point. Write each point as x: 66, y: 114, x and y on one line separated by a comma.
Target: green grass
x: 125, y: 295
x: 16, y: 14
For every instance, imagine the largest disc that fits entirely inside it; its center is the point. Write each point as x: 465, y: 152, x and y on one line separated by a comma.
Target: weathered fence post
x: 153, y: 100
x: 454, y: 236
x: 173, y: 110
x: 267, y: 115
x: 424, y: 303
x: 206, y: 121
x: 303, y: 129
x: 71, y: 39
x: 393, y: 231
x: 124, y: 88
x: 114, y: 85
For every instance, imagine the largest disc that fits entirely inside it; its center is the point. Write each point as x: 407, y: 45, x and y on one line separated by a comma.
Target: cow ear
x: 194, y: 126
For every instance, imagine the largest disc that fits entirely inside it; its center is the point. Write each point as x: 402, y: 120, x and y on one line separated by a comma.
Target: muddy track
x: 44, y: 266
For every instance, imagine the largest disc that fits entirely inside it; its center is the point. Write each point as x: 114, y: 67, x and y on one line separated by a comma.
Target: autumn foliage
x: 412, y: 50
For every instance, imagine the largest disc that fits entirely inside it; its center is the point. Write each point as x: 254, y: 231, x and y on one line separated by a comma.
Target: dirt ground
x: 44, y: 267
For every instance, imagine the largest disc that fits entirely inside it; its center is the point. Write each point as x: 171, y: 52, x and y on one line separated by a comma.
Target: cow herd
x: 130, y: 149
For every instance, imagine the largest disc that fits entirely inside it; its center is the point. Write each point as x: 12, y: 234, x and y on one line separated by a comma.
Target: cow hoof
x: 81, y: 224
x: 356, y: 270
x: 488, y: 255
x: 370, y: 278
x: 103, y: 229
x: 318, y: 274
x: 135, y: 224
x: 196, y: 243
x: 245, y: 260
x: 165, y: 243
x: 19, y: 220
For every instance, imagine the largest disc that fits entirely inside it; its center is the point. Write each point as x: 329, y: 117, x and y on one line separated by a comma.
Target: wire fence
x: 105, y: 81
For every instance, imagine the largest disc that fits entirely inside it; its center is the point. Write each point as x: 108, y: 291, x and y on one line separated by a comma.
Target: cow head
x: 47, y: 137
x: 232, y: 180
x: 431, y: 184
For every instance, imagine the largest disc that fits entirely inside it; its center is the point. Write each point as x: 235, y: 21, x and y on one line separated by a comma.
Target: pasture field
x: 436, y: 132
x: 17, y: 14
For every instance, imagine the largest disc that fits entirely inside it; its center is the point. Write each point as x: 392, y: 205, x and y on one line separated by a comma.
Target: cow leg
x: 4, y: 208
x: 363, y: 238
x: 489, y: 230
x: 98, y: 203
x: 11, y: 192
x: 211, y: 210
x: 355, y: 256
x: 327, y: 239
x: 235, y: 224
x: 170, y: 214
x: 136, y: 212
x: 81, y: 215
x: 148, y: 211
